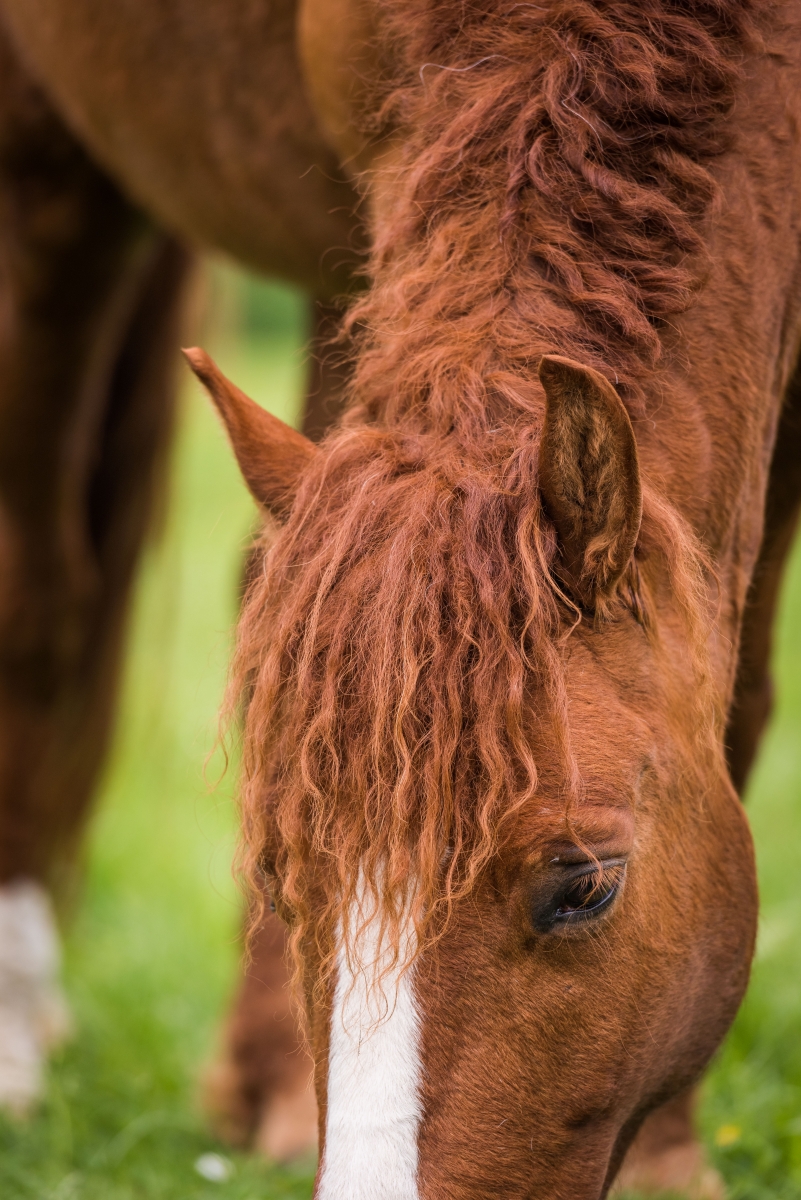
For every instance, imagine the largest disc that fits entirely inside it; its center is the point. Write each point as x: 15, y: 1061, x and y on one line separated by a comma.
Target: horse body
x: 138, y: 83
x: 495, y: 642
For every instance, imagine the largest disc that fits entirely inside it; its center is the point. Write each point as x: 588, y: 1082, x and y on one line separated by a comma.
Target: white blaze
x: 374, y: 1106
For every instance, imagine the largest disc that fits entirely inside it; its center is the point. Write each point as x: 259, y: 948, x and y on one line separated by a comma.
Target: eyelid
x: 601, y: 867
x: 604, y: 864
x: 545, y: 910
x: 569, y: 854
x: 616, y: 868
x: 587, y: 866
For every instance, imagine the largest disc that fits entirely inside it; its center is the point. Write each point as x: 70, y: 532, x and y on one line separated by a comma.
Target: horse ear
x: 589, y: 477
x: 271, y: 455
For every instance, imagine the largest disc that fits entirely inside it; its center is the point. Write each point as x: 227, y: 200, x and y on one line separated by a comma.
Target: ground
x: 152, y: 946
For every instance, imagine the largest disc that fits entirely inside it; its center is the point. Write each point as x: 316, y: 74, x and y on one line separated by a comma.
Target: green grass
x: 152, y: 951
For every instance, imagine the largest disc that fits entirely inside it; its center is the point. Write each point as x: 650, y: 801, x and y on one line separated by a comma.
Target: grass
x: 152, y: 951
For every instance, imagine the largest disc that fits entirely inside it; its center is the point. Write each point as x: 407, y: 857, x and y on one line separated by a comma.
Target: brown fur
x: 753, y: 692
x: 270, y: 478
x: 426, y: 532
x: 419, y: 693
x: 589, y: 477
x: 201, y: 116
x: 427, y: 699
x: 90, y: 296
x: 559, y: 154
x: 260, y: 1091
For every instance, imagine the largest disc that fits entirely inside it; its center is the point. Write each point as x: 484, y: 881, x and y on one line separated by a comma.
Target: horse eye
x: 583, y: 892
x: 589, y: 893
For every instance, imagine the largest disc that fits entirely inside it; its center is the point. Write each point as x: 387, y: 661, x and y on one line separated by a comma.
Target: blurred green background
x: 153, y: 948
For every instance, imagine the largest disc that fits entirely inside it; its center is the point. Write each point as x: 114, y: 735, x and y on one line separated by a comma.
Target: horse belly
x: 198, y: 109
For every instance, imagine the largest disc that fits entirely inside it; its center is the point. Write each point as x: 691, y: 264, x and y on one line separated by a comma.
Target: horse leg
x: 753, y: 692
x: 260, y: 1092
x: 89, y: 295
x: 666, y: 1154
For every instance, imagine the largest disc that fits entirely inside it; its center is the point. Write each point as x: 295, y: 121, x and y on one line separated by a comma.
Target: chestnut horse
x: 505, y: 654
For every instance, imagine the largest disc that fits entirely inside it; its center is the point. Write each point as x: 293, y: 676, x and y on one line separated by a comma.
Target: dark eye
x: 581, y: 893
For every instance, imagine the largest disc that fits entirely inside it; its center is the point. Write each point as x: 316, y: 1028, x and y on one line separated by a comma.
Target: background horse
x: 493, y: 649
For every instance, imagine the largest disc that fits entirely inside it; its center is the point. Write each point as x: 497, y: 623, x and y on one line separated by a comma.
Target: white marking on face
x: 374, y: 1070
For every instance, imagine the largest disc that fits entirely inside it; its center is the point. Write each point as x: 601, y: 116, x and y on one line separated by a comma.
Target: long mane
x: 551, y: 197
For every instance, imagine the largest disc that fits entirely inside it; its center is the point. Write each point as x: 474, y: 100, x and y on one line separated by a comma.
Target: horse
x: 502, y: 659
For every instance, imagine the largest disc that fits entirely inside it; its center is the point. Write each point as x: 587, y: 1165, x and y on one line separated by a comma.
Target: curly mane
x: 550, y: 196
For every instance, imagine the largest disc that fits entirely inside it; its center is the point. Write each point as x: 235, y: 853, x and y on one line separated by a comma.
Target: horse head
x: 483, y: 775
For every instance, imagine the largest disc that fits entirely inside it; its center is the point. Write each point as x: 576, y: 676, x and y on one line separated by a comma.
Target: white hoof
x: 33, y: 1012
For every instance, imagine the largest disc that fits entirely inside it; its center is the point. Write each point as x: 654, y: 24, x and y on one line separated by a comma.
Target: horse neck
x: 701, y: 345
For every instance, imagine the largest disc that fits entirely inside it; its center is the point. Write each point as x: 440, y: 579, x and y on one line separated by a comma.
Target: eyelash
x: 589, y: 892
